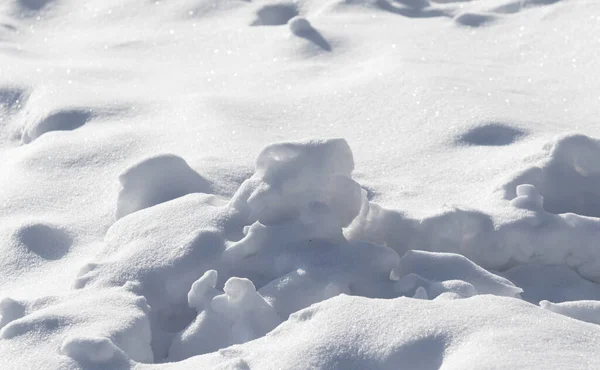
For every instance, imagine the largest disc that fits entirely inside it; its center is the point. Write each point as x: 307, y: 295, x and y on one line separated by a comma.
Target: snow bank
x: 358, y: 333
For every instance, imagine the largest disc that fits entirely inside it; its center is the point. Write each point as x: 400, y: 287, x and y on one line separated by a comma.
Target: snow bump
x: 156, y: 180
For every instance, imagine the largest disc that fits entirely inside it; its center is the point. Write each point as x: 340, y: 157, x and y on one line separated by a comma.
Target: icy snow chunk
x: 237, y: 316
x: 324, y: 157
x: 156, y: 180
x: 251, y: 315
x: 290, y: 176
x: 588, y: 311
x: 528, y: 197
x: 203, y: 290
x: 449, y: 266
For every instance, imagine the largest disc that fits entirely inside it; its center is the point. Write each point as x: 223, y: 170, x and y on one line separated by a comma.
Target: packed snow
x: 308, y: 184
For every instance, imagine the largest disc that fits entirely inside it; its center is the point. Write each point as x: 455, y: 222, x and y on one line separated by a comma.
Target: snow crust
x: 445, y: 213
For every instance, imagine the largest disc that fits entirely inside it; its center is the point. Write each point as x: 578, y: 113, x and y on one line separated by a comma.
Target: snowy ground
x: 311, y: 184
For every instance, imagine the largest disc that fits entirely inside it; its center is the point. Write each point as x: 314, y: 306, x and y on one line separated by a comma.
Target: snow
x: 319, y: 184
x: 441, y: 267
x: 359, y: 333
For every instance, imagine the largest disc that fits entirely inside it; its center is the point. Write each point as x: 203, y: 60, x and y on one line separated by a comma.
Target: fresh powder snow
x: 299, y: 184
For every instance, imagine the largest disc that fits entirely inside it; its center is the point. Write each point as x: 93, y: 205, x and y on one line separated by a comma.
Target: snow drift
x: 199, y: 273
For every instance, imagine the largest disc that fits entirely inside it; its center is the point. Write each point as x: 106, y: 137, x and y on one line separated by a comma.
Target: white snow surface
x: 309, y: 184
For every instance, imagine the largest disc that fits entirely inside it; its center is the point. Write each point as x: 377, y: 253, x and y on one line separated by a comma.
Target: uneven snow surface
x: 309, y: 184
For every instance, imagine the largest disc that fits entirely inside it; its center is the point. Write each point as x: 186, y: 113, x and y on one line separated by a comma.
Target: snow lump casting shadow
x: 302, y: 28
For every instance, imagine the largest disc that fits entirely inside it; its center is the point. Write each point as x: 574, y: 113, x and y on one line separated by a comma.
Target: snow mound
x: 567, y: 177
x: 199, y: 260
x: 156, y: 180
x: 203, y: 290
x: 358, y: 333
x: 71, y: 324
x: 528, y: 197
x: 291, y: 176
x: 164, y: 250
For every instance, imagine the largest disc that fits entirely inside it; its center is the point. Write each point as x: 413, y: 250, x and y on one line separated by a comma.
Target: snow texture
x: 274, y: 184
